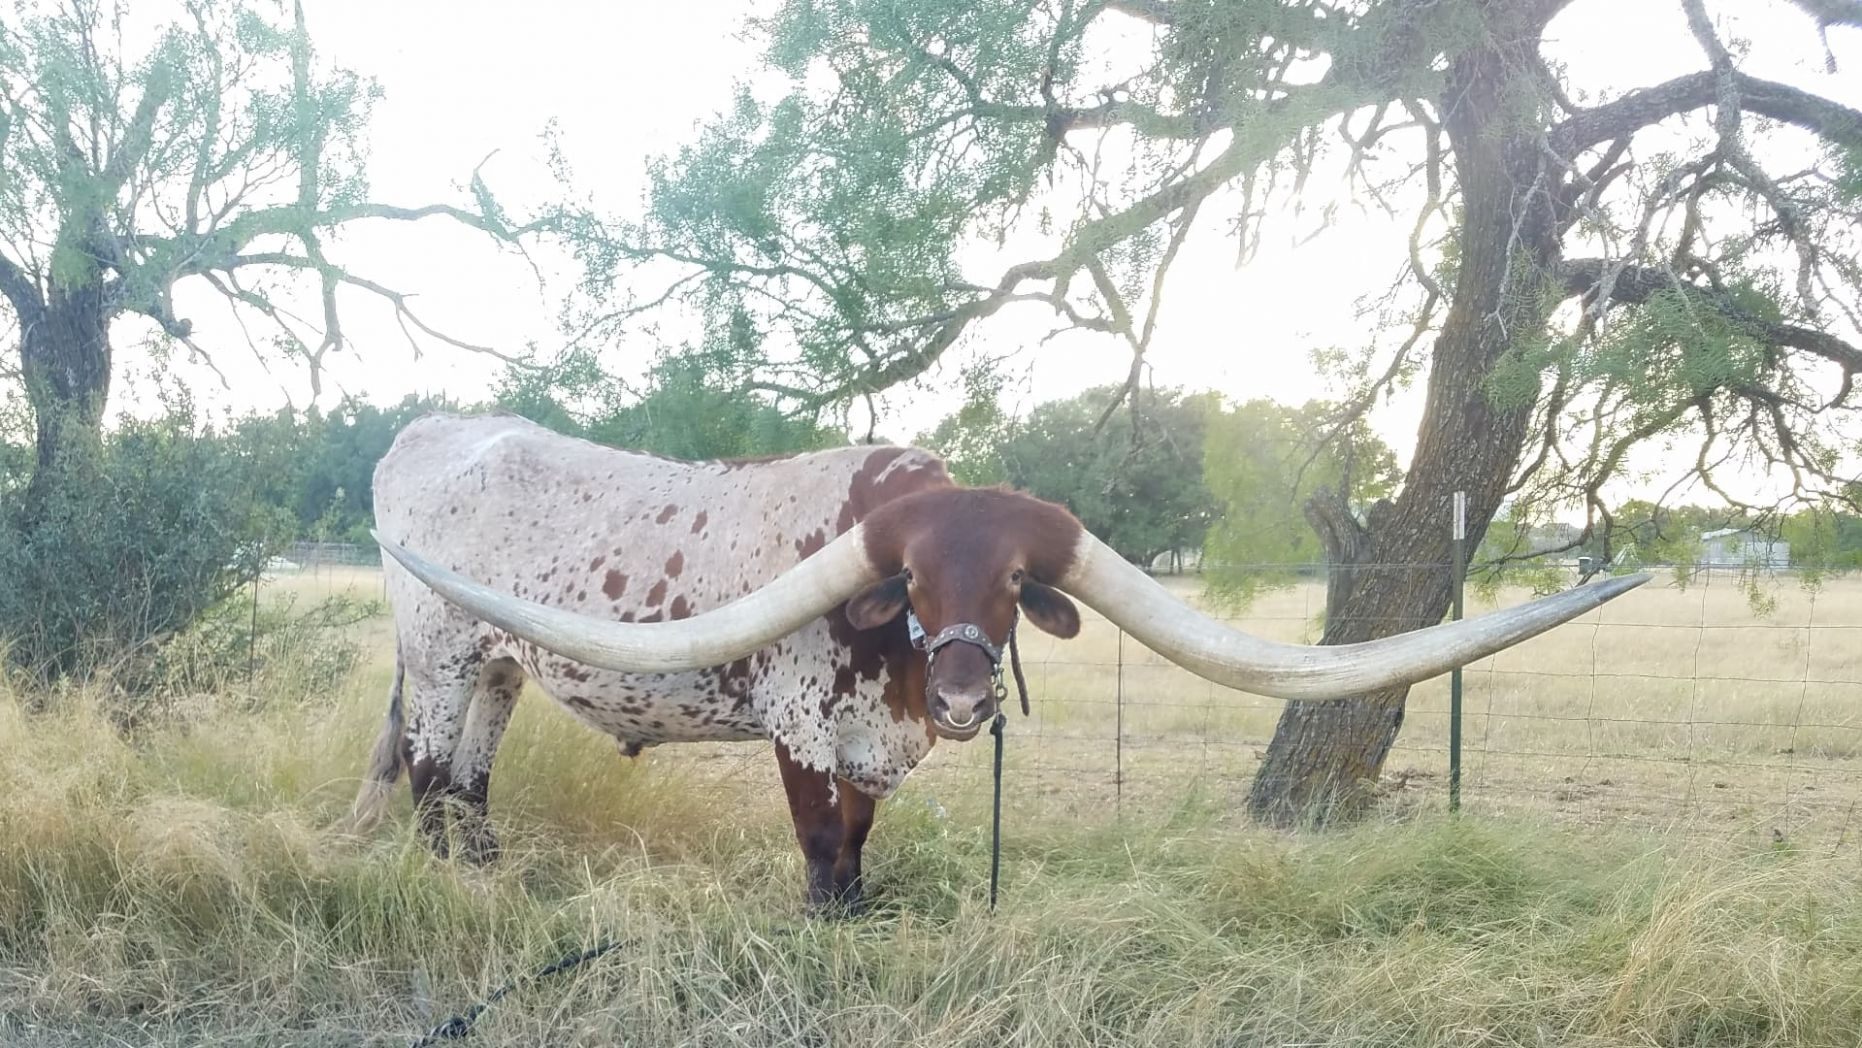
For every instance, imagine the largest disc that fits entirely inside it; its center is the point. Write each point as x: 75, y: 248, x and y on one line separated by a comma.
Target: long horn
x: 800, y: 595
x: 1137, y: 604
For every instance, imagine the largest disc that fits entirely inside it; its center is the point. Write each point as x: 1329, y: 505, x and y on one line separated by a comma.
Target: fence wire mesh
x: 1680, y: 706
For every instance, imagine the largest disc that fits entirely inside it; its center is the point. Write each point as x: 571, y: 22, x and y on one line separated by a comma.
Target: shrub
x: 163, y: 527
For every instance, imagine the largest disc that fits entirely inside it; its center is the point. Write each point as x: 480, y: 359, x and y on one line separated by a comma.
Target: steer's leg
x: 817, y: 824
x: 493, y: 699
x: 856, y: 819
x: 441, y: 694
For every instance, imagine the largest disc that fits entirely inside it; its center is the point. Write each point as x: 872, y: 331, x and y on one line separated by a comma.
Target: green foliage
x: 171, y: 524
x: 748, y: 199
x: 691, y: 408
x: 972, y: 439
x: 1141, y: 494
x: 1671, y: 349
x: 1823, y: 541
x: 1261, y: 466
x: 327, y: 478
x: 1667, y: 534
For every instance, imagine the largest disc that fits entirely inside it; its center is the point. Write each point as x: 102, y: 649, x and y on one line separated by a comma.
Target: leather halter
x: 967, y: 632
x: 972, y: 634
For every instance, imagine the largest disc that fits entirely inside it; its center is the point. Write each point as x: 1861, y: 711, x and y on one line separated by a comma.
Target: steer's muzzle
x: 960, y: 714
x: 962, y: 685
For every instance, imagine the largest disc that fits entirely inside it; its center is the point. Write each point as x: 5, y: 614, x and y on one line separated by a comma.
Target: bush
x: 108, y: 562
x: 278, y: 657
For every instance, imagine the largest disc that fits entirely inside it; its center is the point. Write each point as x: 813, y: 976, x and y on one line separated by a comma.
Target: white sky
x: 629, y: 81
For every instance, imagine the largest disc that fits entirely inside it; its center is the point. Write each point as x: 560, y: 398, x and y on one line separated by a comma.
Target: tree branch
x: 1638, y: 284
x: 22, y: 291
x: 398, y: 299
x: 1651, y: 105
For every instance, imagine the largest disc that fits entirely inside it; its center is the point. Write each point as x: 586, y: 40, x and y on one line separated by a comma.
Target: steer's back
x: 628, y: 536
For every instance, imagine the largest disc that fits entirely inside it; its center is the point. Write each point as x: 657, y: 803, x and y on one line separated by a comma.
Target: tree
x: 1134, y: 479
x: 326, y: 474
x: 971, y: 439
x: 1263, y: 462
x: 1588, y: 274
x: 1823, y: 541
x: 220, y: 156
x: 1140, y: 490
x: 688, y: 410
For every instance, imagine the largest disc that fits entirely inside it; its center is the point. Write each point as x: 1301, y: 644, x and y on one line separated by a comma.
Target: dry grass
x: 180, y: 887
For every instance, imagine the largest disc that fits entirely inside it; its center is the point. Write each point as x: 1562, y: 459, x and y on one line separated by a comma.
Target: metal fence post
x: 1118, y: 733
x: 1458, y: 581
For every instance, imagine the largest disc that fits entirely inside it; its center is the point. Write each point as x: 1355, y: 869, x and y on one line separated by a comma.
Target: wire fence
x: 1708, y: 701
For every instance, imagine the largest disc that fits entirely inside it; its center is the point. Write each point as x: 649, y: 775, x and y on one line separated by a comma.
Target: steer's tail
x: 385, y: 763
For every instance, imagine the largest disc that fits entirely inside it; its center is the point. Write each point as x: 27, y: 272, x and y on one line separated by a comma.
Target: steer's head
x: 968, y: 564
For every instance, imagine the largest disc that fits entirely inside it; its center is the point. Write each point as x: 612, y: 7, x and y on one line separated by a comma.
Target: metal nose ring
x: 963, y: 724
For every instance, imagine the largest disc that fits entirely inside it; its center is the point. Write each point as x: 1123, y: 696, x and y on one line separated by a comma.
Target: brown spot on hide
x: 809, y: 545
x: 614, y: 585
x: 698, y: 522
x: 675, y: 564
x: 666, y: 514
x: 595, y: 565
x: 657, y: 595
x: 867, y: 492
x: 680, y: 608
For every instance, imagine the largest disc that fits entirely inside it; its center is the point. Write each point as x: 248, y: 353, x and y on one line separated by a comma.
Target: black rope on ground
x: 460, y: 1025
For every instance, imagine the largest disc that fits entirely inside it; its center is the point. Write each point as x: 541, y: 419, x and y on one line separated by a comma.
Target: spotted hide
x: 638, y: 538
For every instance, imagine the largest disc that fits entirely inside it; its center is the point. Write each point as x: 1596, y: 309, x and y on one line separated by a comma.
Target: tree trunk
x: 65, y: 358
x: 1389, y: 573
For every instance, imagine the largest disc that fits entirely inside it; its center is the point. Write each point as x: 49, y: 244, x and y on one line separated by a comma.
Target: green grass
x: 181, y: 887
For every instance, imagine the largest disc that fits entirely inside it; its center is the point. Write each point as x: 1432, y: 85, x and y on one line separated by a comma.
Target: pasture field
x: 1672, y: 707
x: 182, y: 885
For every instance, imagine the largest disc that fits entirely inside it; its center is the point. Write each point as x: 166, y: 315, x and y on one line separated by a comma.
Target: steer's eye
x: 1016, y: 577
x: 907, y: 573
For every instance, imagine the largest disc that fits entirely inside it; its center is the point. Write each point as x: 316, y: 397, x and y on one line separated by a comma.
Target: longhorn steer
x: 663, y: 601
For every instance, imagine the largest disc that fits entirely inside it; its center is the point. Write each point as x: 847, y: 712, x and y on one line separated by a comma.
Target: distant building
x: 1176, y: 562
x: 1737, y: 548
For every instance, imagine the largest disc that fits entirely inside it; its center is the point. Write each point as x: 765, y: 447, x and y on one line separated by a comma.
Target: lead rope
x: 460, y: 1025
x: 996, y: 729
x: 995, y: 828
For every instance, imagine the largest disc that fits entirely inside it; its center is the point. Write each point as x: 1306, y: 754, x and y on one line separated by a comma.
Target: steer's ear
x: 878, y: 604
x: 1050, y: 609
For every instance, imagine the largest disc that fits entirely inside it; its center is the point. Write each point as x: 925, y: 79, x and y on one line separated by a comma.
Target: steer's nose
x: 960, y: 712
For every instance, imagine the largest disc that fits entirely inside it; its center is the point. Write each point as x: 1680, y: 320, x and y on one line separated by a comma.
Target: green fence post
x: 1458, y: 577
